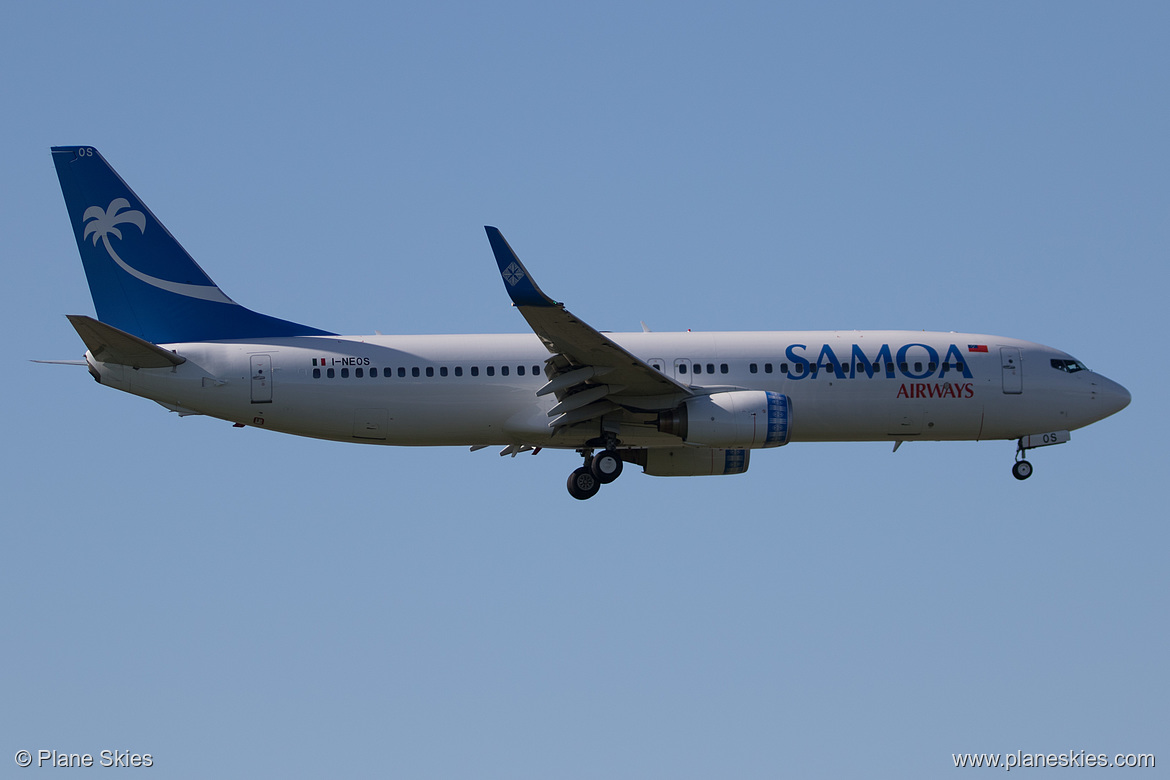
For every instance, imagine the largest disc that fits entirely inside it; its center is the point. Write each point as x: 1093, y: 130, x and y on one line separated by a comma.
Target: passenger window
x: 359, y: 373
x: 491, y: 370
x: 931, y: 366
x: 503, y: 370
x: 345, y: 373
x: 442, y: 371
x: 329, y: 373
x: 903, y: 367
x: 752, y: 368
x: 767, y: 368
x: 890, y: 368
x: 458, y: 370
x: 958, y: 366
x: 519, y: 370
x: 877, y: 367
x: 316, y: 373
x: 401, y: 372
x: 387, y: 372
x: 710, y: 368
x: 475, y: 370
x: 682, y: 368
x: 698, y: 368
x: 536, y: 370
x: 414, y: 371
x: 918, y: 367
x: 430, y: 370
x: 722, y: 368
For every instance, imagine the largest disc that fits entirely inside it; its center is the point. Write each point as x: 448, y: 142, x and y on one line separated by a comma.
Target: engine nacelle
x: 692, y: 461
x: 741, y: 418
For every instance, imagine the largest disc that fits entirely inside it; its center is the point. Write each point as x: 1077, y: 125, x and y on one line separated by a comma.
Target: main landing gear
x: 598, y: 470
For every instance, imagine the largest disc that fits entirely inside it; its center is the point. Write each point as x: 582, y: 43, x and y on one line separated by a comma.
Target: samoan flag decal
x: 976, y: 347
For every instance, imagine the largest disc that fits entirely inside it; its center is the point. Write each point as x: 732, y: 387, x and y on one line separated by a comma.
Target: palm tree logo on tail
x: 102, y: 223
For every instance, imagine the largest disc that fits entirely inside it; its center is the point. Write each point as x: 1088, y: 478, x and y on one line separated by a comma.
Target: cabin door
x: 261, y: 379
x: 1013, y: 371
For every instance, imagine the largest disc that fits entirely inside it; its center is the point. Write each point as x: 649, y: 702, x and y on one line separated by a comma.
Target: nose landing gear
x: 1022, y: 469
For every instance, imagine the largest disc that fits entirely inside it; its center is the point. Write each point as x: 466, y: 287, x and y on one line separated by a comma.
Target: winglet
x: 517, y: 281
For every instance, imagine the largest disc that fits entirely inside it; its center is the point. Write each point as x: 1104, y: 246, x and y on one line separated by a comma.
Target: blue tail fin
x: 142, y: 280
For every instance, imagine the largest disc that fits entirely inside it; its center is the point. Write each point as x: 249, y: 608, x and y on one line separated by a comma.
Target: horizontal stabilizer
x: 107, y: 344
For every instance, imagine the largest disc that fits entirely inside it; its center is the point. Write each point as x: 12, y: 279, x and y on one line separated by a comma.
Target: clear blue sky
x: 239, y: 603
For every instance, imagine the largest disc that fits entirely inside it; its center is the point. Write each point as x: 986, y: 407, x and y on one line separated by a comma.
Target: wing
x: 590, y: 374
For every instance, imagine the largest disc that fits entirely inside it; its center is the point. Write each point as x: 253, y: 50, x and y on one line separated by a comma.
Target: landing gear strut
x: 598, y: 470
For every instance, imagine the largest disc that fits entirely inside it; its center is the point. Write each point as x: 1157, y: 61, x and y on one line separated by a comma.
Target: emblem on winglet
x: 513, y: 274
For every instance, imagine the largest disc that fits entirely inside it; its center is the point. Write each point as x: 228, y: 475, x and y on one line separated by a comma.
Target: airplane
x: 674, y: 404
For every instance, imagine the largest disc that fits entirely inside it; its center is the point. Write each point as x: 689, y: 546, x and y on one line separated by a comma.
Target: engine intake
x: 741, y: 418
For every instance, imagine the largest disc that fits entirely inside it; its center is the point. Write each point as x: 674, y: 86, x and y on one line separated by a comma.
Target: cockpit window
x: 1070, y: 366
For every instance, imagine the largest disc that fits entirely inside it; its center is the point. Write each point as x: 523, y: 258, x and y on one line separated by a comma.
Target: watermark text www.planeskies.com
x: 1071, y: 758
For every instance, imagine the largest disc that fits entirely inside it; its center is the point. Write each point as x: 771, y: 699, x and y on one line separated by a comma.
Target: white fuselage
x: 481, y: 389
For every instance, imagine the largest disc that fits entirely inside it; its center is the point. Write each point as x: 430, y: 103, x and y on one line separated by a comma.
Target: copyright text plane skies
x: 675, y: 404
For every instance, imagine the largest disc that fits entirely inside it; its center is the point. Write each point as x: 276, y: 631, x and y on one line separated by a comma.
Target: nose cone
x: 1112, y: 396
